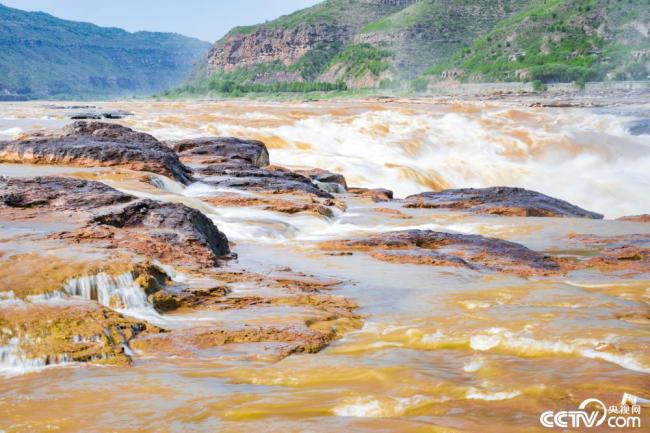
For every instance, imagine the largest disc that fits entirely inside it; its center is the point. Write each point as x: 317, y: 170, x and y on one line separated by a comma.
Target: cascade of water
x: 119, y: 292
x: 14, y: 361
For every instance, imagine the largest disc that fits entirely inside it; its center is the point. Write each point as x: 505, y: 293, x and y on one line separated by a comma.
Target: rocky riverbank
x: 133, y: 259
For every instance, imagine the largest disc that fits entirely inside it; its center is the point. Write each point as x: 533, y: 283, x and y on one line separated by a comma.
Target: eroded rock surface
x: 504, y: 201
x: 44, y: 334
x: 96, y: 144
x: 377, y: 195
x: 429, y: 247
x: 161, y: 230
x: 626, y: 254
x: 215, y: 150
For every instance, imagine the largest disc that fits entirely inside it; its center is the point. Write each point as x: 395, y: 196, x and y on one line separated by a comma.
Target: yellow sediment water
x: 440, y: 349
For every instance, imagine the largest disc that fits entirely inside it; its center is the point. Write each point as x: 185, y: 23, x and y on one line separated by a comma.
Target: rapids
x: 441, y: 349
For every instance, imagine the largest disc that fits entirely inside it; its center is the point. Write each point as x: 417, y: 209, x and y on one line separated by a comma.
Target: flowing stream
x: 441, y: 349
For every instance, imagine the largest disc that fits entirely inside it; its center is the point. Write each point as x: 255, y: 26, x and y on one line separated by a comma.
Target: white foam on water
x: 477, y: 394
x: 527, y: 346
x: 474, y: 365
x: 586, y: 158
x: 375, y: 407
x: 108, y: 290
x: 14, y: 361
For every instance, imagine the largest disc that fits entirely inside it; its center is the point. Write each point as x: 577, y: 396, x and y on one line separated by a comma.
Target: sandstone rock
x: 212, y: 150
x: 377, y: 195
x: 96, y: 144
x: 499, y: 201
x: 627, y: 254
x: 448, y: 249
x: 77, y: 331
x: 266, y: 45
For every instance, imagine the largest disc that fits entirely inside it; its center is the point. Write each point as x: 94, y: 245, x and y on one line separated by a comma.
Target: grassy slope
x: 560, y: 40
x: 43, y: 56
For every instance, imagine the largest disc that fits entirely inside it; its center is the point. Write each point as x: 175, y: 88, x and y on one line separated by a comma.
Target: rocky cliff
x: 361, y: 42
x: 265, y: 45
x: 370, y: 43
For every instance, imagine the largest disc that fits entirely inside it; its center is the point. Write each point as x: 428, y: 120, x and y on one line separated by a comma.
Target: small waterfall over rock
x: 121, y: 292
x: 13, y: 361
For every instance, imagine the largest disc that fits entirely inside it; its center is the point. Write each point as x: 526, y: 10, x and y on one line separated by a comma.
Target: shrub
x: 538, y: 86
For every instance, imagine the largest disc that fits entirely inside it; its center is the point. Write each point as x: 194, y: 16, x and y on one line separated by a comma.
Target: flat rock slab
x: 96, y: 144
x: 429, y: 247
x: 504, y: 201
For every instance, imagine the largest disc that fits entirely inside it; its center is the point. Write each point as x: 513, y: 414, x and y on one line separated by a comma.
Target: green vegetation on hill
x: 242, y: 81
x: 561, y: 41
x: 408, y: 44
x: 45, y: 57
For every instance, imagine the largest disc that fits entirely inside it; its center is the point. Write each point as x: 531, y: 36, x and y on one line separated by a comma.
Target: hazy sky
x: 204, y: 19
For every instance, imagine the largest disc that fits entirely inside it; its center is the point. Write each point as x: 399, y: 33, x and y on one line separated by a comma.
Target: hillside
x: 45, y: 57
x: 561, y: 41
x: 362, y: 43
x: 340, y: 44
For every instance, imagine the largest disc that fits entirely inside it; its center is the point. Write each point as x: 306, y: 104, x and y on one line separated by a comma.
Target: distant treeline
x: 233, y: 88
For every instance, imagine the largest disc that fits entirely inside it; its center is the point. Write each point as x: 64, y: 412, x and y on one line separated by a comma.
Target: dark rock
x: 96, y: 115
x: 450, y: 249
x: 213, y: 150
x: 180, y: 226
x: 96, y: 144
x: 58, y: 193
x: 86, y: 116
x: 104, y: 216
x: 268, y: 179
x: 499, y: 201
x: 332, y: 182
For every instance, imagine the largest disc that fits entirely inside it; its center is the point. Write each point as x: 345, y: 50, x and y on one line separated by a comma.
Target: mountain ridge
x: 43, y: 56
x: 384, y: 43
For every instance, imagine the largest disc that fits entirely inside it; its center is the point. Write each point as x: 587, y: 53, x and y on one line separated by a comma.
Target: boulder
x: 332, y: 182
x: 96, y: 144
x: 214, y: 150
x: 58, y: 194
x: 500, y: 200
x: 272, y: 179
x: 165, y: 231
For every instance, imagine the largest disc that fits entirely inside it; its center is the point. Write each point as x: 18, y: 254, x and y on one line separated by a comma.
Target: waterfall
x: 114, y: 292
x: 13, y: 361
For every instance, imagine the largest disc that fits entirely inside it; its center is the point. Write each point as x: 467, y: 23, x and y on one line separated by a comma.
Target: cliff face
x: 366, y: 43
x: 265, y: 45
x: 361, y: 42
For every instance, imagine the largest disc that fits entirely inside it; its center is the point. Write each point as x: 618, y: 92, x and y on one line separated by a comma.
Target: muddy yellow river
x: 441, y: 349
